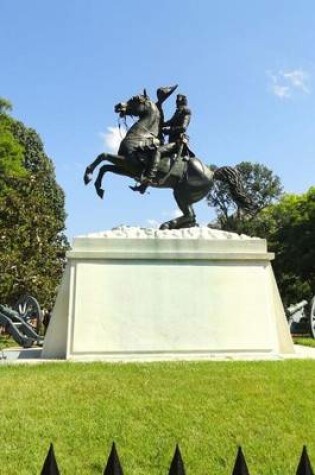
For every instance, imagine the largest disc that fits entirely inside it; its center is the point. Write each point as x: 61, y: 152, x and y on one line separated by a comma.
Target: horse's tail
x: 232, y: 177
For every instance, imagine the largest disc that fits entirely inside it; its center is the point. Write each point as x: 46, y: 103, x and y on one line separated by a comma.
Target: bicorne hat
x: 164, y: 92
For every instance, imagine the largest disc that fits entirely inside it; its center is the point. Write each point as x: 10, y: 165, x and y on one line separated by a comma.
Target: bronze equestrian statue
x: 143, y: 156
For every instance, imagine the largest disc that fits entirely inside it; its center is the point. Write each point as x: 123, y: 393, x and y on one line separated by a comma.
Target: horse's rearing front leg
x: 90, y: 168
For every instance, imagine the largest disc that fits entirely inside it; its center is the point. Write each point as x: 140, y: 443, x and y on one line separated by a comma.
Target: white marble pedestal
x: 144, y: 295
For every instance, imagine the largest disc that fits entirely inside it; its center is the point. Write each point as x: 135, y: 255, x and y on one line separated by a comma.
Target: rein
x: 147, y: 130
x: 124, y: 118
x: 125, y: 124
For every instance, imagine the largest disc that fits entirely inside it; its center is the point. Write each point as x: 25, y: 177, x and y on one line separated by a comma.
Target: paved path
x: 32, y: 356
x: 304, y: 352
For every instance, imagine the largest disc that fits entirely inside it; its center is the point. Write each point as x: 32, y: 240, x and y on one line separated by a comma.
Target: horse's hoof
x: 193, y: 224
x: 165, y: 226
x: 100, y: 192
x: 87, y: 178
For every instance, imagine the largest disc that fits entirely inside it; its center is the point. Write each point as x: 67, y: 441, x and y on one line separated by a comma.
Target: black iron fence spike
x: 304, y: 466
x: 177, y: 465
x: 240, y: 466
x: 113, y: 466
x: 50, y: 466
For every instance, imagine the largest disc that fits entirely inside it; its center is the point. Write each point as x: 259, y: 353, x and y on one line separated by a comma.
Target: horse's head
x: 136, y: 106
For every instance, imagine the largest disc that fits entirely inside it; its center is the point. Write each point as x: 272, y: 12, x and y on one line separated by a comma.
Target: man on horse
x: 175, y: 129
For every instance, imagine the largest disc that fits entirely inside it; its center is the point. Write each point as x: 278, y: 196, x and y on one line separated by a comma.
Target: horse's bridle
x: 143, y: 100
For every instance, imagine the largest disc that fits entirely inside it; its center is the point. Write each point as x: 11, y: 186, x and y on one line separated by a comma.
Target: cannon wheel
x: 29, y: 309
x: 312, y: 317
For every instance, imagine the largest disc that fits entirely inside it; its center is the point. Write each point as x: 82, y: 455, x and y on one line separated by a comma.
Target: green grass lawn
x: 209, y: 408
x: 6, y: 341
x: 304, y: 341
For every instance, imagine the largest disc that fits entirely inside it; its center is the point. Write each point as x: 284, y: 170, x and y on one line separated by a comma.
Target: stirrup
x: 140, y: 188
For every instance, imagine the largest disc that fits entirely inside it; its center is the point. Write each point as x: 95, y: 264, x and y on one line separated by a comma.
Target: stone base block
x: 143, y: 294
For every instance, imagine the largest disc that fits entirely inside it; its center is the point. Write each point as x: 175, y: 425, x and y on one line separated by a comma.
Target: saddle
x: 169, y: 166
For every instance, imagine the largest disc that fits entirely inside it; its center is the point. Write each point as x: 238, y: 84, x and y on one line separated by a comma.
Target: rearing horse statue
x: 189, y: 178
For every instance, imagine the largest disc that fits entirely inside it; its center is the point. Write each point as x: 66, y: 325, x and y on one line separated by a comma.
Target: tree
x: 32, y: 216
x: 5, y: 106
x: 287, y: 221
x: 260, y: 185
x: 289, y: 227
x: 11, y: 153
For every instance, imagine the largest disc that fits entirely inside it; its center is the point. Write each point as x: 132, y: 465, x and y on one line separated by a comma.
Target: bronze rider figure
x: 174, y: 128
x: 162, y: 93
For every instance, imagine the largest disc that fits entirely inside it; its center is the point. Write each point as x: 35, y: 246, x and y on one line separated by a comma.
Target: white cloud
x: 153, y: 223
x: 112, y: 138
x: 284, y: 84
x: 283, y: 92
x: 298, y: 79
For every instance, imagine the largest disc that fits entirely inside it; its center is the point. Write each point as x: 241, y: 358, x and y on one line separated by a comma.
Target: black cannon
x: 300, y: 311
x: 23, y: 321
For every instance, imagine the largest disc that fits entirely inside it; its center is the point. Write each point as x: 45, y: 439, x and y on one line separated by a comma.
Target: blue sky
x: 247, y: 68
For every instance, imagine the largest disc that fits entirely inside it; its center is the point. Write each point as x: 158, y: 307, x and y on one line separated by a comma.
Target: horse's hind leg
x: 90, y: 168
x: 188, y: 220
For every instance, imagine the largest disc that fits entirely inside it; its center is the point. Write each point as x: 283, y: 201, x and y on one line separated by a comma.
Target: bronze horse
x: 189, y: 178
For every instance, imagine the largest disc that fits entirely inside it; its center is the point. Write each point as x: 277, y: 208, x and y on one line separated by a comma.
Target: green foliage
x: 5, y: 105
x: 32, y: 216
x: 209, y: 408
x: 260, y: 184
x: 290, y: 229
x: 286, y: 221
x: 11, y: 154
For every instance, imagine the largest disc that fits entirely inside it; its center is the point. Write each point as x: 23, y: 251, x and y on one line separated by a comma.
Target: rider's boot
x: 150, y: 176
